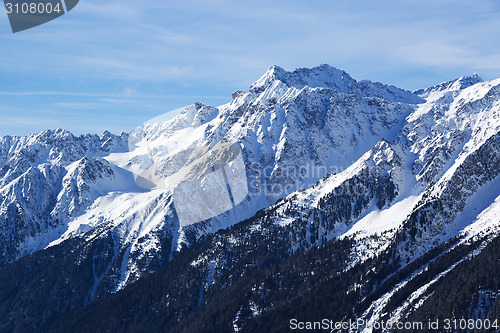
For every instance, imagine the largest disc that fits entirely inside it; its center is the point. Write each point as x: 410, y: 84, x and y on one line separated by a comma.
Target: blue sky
x: 114, y: 64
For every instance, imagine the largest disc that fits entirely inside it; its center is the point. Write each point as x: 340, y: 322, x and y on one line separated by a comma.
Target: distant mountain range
x: 310, y: 196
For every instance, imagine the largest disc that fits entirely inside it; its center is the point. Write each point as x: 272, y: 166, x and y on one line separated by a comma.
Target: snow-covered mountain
x: 293, y: 128
x: 325, y: 158
x: 47, y: 179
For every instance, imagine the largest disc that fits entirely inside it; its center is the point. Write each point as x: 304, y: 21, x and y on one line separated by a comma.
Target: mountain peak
x: 276, y: 72
x: 453, y: 85
x: 465, y: 82
x: 324, y: 76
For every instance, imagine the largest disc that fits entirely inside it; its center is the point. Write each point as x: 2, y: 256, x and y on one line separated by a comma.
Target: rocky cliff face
x: 392, y: 176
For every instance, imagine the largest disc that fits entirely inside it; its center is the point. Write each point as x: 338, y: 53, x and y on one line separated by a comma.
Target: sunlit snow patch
x: 206, y: 179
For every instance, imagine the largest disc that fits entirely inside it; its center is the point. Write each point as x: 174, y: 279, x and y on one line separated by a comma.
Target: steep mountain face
x: 387, y: 191
x: 293, y: 129
x: 46, y: 179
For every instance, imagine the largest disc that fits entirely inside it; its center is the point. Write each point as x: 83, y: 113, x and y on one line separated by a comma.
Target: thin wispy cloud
x: 178, y: 53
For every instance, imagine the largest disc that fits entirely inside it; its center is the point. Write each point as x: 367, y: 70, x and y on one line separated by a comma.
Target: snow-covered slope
x: 301, y: 159
x: 355, y: 159
x: 48, y: 178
